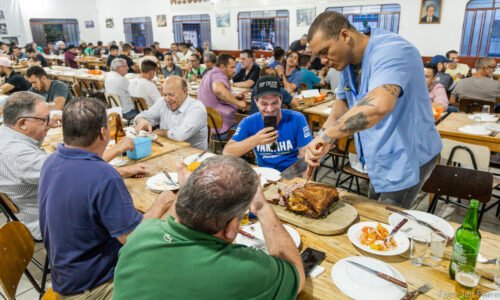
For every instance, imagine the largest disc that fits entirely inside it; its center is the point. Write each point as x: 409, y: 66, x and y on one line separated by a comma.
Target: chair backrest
x: 8, y: 207
x: 468, y: 155
x: 460, y: 183
x: 76, y: 89
x: 474, y: 105
x: 113, y: 100
x: 139, y: 103
x: 214, y: 120
x: 240, y: 117
x: 17, y: 250
x: 347, y: 143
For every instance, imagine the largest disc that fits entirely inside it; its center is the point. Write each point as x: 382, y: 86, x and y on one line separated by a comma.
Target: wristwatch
x: 322, y: 134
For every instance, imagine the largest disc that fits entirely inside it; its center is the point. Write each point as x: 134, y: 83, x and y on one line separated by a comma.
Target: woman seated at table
x: 437, y: 92
x: 290, y: 75
x: 170, y: 69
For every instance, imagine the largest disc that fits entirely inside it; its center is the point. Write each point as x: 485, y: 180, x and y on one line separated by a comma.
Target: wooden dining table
x: 339, y: 246
x: 448, y: 128
x: 317, y: 115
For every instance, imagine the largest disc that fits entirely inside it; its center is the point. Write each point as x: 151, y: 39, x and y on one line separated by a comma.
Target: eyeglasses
x: 45, y: 119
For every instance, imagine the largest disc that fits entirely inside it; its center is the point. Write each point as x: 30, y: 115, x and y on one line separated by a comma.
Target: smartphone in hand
x: 271, y: 121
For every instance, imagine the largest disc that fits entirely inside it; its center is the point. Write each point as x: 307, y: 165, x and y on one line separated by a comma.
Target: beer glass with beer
x: 466, y: 281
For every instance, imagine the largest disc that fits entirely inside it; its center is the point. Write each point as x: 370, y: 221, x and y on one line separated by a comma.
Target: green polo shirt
x: 167, y: 260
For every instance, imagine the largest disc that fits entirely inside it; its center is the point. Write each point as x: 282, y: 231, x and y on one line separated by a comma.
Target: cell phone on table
x: 311, y: 258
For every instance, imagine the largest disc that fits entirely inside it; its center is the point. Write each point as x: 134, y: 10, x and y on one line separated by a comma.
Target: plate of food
x: 267, y: 174
x: 363, y: 285
x: 160, y: 182
x: 370, y: 236
x: 256, y: 231
x: 194, y: 161
x: 412, y: 228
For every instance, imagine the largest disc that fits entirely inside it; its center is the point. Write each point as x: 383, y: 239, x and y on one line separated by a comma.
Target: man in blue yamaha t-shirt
x: 274, y: 148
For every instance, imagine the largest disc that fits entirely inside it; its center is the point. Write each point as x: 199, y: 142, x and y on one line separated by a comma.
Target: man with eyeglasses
x: 480, y: 86
x: 276, y: 148
x: 26, y: 122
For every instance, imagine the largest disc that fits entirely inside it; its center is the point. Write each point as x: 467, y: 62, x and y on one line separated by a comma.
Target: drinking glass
x: 497, y: 273
x: 486, y: 109
x: 466, y: 281
x: 418, y: 249
x: 477, y: 120
x: 437, y: 247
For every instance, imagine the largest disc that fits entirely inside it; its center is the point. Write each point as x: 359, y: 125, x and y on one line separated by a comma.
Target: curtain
x: 71, y: 34
x: 148, y: 26
x: 244, y: 28
x: 281, y: 24
x: 205, y: 32
x: 127, y: 27
x: 178, y: 35
x: 202, y: 20
x: 38, y: 34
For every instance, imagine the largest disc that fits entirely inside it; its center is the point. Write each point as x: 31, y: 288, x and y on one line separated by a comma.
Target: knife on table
x: 169, y: 178
x: 381, y: 275
x: 407, y: 215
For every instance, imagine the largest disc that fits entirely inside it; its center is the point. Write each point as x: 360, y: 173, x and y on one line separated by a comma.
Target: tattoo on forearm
x: 355, y: 123
x: 392, y: 89
x: 366, y: 101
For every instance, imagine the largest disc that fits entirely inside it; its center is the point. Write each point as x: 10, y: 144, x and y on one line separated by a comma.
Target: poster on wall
x: 110, y: 23
x: 305, y: 16
x: 223, y: 19
x: 89, y: 24
x: 11, y: 39
x: 161, y: 20
x: 430, y: 12
x: 3, y: 28
x: 2, y: 16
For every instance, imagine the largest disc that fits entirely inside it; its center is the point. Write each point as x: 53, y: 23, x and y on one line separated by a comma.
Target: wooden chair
x: 17, y: 250
x: 459, y: 183
x: 474, y: 105
x: 10, y: 209
x: 214, y: 121
x: 139, y: 103
x: 76, y: 90
x: 113, y: 100
x: 346, y: 145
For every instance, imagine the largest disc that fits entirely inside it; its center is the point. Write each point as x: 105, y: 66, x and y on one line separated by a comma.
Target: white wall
x: 65, y: 9
x: 430, y: 39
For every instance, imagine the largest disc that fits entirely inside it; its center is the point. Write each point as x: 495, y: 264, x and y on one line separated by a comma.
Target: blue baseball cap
x: 439, y: 59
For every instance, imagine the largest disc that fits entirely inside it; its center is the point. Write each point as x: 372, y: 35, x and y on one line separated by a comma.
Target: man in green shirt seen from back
x: 191, y: 255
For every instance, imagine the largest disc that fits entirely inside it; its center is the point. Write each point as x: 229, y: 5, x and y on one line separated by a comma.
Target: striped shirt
x: 21, y: 160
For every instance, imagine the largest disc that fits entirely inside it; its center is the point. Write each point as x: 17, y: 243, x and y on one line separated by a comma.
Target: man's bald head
x: 174, y: 92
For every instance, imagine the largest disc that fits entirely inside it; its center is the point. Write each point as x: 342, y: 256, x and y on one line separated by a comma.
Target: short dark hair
x: 278, y: 53
x: 148, y: 65
x: 304, y: 60
x: 126, y: 47
x: 433, y: 67
x: 224, y: 59
x: 450, y: 52
x: 196, y: 56
x: 483, y: 62
x: 83, y: 119
x: 430, y: 5
x: 19, y: 104
x: 147, y: 50
x: 99, y: 43
x: 37, y: 71
x: 210, y: 56
x: 330, y: 23
x: 248, y: 52
x: 265, y: 69
x: 290, y: 52
x: 30, y: 50
x: 113, y: 47
x: 221, y: 189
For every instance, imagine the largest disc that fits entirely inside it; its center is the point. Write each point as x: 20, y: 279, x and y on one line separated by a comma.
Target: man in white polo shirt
x: 142, y: 86
x: 116, y: 83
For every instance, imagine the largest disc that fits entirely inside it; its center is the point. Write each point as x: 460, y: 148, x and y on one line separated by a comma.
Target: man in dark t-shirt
x: 53, y: 90
x: 14, y: 82
x: 249, y: 73
x: 36, y: 57
x: 299, y: 45
x: 126, y: 49
x: 113, y: 53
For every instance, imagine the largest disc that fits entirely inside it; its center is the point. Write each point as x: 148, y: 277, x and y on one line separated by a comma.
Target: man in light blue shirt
x: 383, y: 102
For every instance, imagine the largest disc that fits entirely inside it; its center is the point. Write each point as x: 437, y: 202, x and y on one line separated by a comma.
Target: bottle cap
x: 474, y: 203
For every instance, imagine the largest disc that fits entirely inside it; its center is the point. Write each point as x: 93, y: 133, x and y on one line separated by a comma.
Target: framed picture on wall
x: 223, y: 18
x: 110, y: 23
x: 430, y: 12
x: 2, y: 16
x: 3, y: 28
x: 89, y: 24
x: 161, y: 20
x: 305, y: 16
x: 11, y: 39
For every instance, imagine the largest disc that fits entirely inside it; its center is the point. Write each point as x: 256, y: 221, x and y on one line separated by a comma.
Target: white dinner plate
x: 477, y: 130
x: 194, y: 157
x: 354, y: 234
x: 256, y: 230
x: 160, y: 183
x: 491, y: 126
x: 494, y: 295
x: 484, y: 117
x: 411, y: 228
x: 363, y: 285
x: 267, y: 174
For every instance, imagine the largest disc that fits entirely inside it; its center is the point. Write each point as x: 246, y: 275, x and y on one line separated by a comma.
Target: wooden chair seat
x: 351, y: 171
x: 139, y: 103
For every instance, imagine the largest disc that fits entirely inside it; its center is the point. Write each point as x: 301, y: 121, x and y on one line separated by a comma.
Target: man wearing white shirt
x: 184, y: 54
x: 116, y: 83
x: 179, y: 116
x: 143, y: 87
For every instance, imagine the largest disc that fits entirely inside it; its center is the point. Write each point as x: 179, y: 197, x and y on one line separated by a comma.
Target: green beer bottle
x: 466, y: 242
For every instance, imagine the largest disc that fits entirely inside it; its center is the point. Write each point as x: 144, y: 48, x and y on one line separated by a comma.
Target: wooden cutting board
x: 340, y: 218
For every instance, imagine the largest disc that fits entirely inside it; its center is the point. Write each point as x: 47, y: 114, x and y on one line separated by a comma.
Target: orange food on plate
x: 374, y: 237
x: 194, y: 165
x: 94, y: 72
x: 320, y: 98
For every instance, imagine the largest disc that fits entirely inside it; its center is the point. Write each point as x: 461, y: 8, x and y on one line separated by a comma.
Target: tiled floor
x: 490, y: 223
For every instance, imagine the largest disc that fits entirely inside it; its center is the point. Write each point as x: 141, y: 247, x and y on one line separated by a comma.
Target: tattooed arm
x: 367, y: 112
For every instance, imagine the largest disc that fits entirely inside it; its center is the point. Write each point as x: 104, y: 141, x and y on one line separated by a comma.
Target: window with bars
x: 194, y: 29
x: 481, y: 29
x: 263, y: 30
x: 385, y: 16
